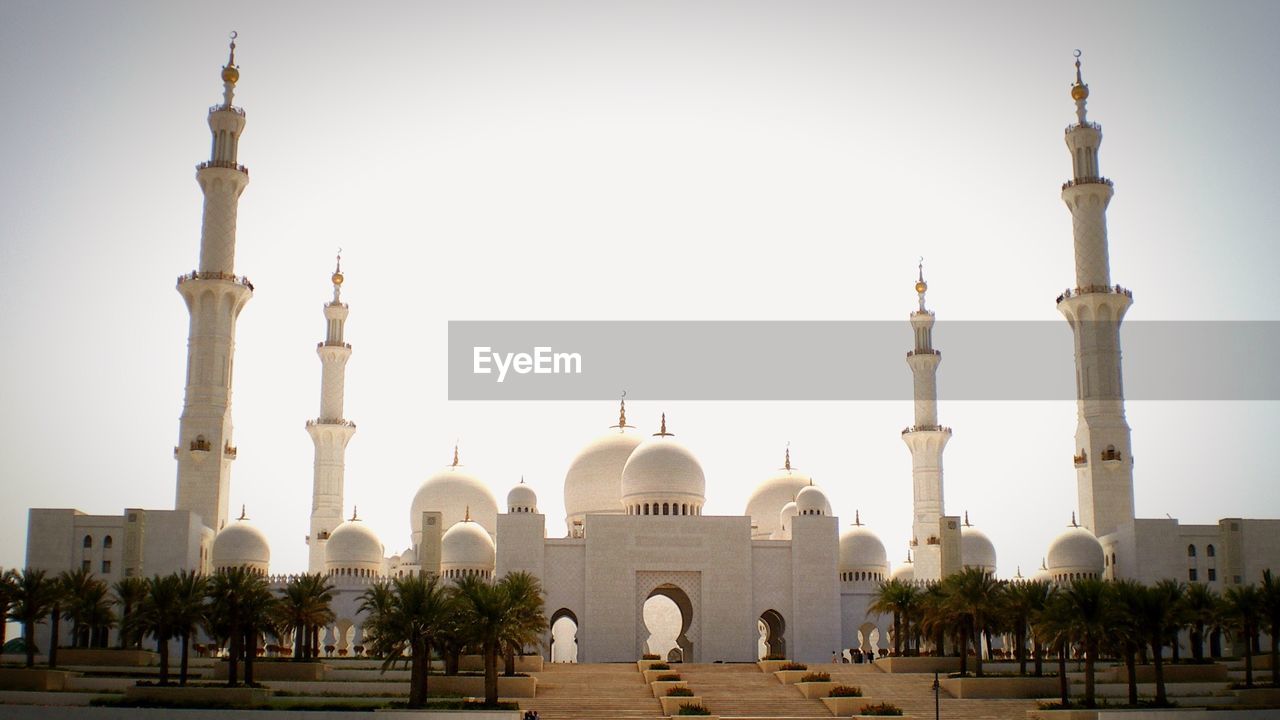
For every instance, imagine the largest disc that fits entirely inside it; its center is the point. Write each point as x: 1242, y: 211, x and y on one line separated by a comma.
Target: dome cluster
x: 451, y: 491
x: 778, y: 498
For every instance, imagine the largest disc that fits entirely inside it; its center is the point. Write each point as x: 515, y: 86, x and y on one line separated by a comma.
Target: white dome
x: 976, y: 549
x: 906, y: 572
x: 860, y: 549
x: 662, y: 469
x: 451, y: 492
x: 812, y: 501
x: 769, y: 497
x: 1042, y: 574
x: 782, y: 527
x: 241, y: 545
x: 594, y: 482
x: 467, y: 547
x: 522, y: 498
x: 353, y: 546
x: 1075, y: 553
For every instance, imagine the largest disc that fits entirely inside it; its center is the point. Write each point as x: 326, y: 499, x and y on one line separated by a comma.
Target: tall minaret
x: 927, y: 439
x: 330, y: 432
x: 214, y: 296
x: 1094, y: 308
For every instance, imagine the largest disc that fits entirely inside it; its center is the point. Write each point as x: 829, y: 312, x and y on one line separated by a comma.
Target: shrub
x: 679, y: 692
x: 816, y: 677
x: 793, y: 666
x: 669, y: 677
x: 845, y: 691
x: 775, y: 656
x: 659, y: 666
x: 693, y: 709
x: 880, y: 709
x: 650, y: 656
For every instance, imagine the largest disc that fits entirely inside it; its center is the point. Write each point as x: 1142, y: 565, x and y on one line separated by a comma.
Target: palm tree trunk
x: 1020, y: 637
x: 1131, y: 669
x: 182, y: 663
x: 1248, y: 657
x: 1090, y: 650
x: 29, y: 640
x: 1197, y: 642
x: 977, y: 650
x: 233, y: 657
x: 964, y: 648
x: 491, y: 673
x: 250, y: 652
x: 417, y: 681
x: 1038, y: 649
x: 1177, y: 653
x: 54, y: 620
x: 313, y: 652
x: 1159, y: 661
x: 1063, y: 689
x: 509, y: 662
x: 897, y: 633
x: 162, y: 647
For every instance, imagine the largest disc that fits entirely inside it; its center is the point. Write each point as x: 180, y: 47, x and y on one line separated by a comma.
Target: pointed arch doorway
x: 667, y: 622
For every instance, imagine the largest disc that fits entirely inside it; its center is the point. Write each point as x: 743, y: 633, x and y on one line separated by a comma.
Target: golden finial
x: 1073, y: 519
x: 662, y: 432
x: 921, y: 285
x: 468, y: 517
x: 243, y: 516
x: 1079, y: 91
x: 354, y: 514
x: 455, y: 463
x: 231, y: 73
x: 966, y: 519
x: 622, y: 414
x: 337, y: 272
x: 521, y: 479
x: 786, y: 465
x: 857, y: 518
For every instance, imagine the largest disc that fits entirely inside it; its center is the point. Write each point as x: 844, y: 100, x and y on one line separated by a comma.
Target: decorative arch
x: 561, y: 653
x: 684, y: 588
x: 773, y: 631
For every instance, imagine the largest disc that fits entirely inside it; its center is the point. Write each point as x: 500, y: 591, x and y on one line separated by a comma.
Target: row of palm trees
x: 419, y: 615
x: 234, y: 607
x: 1089, y: 618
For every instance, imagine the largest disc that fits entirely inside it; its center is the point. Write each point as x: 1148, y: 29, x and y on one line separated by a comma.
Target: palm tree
x: 894, y: 597
x: 8, y: 583
x: 527, y: 617
x: 61, y: 589
x: 406, y: 614
x: 304, y: 607
x: 76, y: 586
x: 155, y: 616
x: 35, y: 595
x: 1201, y: 604
x: 1039, y: 593
x: 1154, y: 614
x: 1270, y: 591
x: 1021, y: 601
x: 485, y: 610
x: 93, y: 611
x: 1126, y: 636
x: 1050, y: 626
x: 1088, y: 620
x: 1180, y: 616
x: 974, y: 596
x: 240, y: 603
x: 188, y: 614
x: 1244, y: 603
x: 129, y: 593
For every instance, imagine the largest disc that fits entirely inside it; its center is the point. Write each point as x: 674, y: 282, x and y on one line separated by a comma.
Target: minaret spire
x: 926, y: 439
x: 622, y: 414
x: 330, y: 432
x: 1094, y: 308
x: 214, y: 296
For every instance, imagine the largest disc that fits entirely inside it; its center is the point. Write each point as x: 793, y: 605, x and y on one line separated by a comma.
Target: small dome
x: 906, y: 572
x: 663, y: 469
x: 1075, y: 553
x: 451, y: 491
x: 593, y: 484
x: 522, y: 498
x: 240, y: 544
x: 467, y: 548
x: 860, y: 549
x: 782, y: 526
x: 769, y: 497
x: 353, y: 546
x: 812, y: 501
x: 1042, y: 574
x: 976, y: 549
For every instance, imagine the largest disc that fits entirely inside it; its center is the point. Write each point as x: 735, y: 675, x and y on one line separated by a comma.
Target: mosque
x: 778, y: 579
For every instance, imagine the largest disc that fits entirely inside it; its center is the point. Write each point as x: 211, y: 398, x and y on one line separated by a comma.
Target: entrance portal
x: 668, y: 613
x: 772, y: 641
x: 564, y: 636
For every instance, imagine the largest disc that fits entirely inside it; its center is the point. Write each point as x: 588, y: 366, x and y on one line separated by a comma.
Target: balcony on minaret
x: 1111, y: 456
x: 1091, y: 289
x: 927, y: 351
x: 326, y: 343
x: 225, y: 164
x: 216, y: 275
x: 1087, y: 181
x: 200, y: 445
x: 229, y: 451
x: 330, y: 421
x: 1082, y: 459
x: 926, y: 428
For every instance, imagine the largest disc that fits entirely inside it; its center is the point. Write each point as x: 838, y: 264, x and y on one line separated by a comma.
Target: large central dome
x: 594, y: 481
x: 663, y: 476
x: 451, y: 492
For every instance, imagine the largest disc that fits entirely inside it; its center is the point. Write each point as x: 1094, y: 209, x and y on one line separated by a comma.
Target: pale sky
x: 622, y: 160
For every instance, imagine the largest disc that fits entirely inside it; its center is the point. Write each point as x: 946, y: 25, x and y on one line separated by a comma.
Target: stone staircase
x: 568, y: 691
x: 741, y: 690
x: 914, y: 694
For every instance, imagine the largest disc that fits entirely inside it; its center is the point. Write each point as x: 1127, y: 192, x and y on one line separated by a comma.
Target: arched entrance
x: 667, y: 616
x: 773, y: 630
x: 564, y: 636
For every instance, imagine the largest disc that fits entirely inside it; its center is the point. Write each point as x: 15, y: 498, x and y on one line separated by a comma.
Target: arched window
x: 88, y: 541
x: 666, y: 508
x: 1209, y: 551
x: 1191, y: 551
x: 107, y: 543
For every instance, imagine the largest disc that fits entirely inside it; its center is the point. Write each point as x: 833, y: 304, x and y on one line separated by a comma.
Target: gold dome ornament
x: 231, y: 73
x: 1079, y: 91
x: 337, y: 271
x: 921, y: 286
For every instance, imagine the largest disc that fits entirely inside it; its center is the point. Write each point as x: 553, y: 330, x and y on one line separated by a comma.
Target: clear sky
x: 621, y: 160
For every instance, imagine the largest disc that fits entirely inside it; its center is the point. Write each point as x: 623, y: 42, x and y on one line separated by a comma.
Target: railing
x: 222, y: 164
x: 925, y: 428
x: 1108, y: 455
x: 230, y: 451
x: 1088, y: 181
x: 1092, y: 289
x: 330, y: 421
x: 336, y: 344
x: 1080, y: 460
x: 933, y: 541
x: 226, y: 108
x: 201, y: 445
x: 912, y: 353
x: 216, y: 275
x: 1086, y: 124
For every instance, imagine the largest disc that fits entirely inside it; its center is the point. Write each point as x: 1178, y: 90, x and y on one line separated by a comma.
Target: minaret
x: 330, y: 432
x: 214, y: 296
x: 926, y: 439
x: 1095, y: 308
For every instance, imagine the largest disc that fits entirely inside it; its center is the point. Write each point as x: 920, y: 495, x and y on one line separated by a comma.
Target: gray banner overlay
x: 847, y: 360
